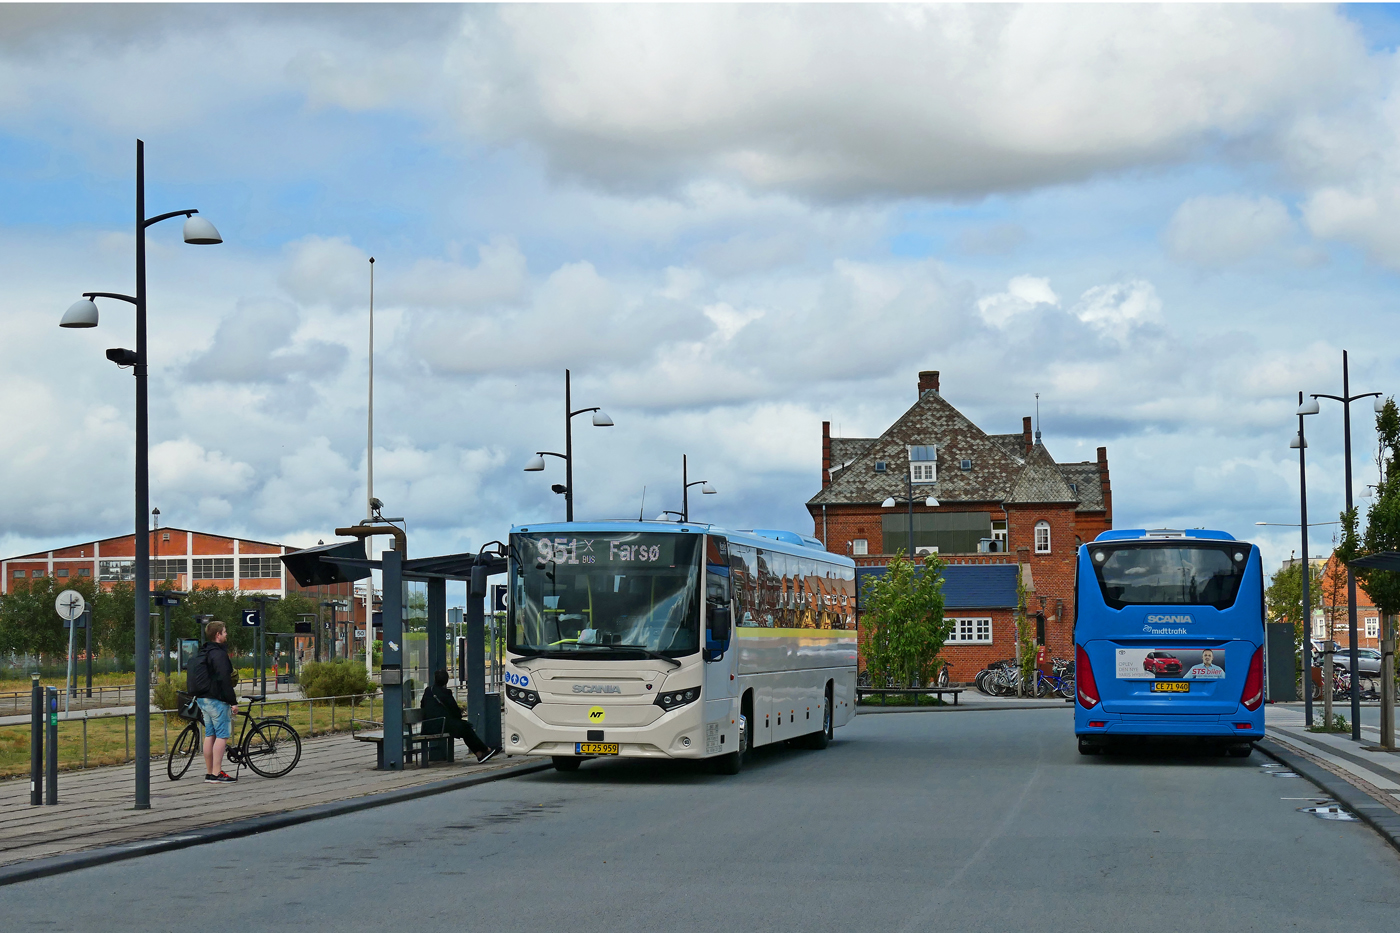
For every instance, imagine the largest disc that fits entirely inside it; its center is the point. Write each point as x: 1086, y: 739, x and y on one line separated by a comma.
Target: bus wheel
x: 732, y: 763
x: 1240, y: 751
x: 1089, y: 748
x: 566, y: 763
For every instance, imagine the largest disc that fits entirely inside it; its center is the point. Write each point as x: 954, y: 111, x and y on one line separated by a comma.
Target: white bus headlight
x: 526, y: 698
x: 675, y: 699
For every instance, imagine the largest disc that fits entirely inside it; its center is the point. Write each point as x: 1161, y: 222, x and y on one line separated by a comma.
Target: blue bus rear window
x: 1174, y: 574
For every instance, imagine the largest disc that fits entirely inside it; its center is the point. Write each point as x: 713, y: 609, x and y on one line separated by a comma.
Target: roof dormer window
x: 923, y: 464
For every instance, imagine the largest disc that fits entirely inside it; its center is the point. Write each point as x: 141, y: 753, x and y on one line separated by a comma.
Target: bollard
x: 36, y: 745
x: 51, y: 777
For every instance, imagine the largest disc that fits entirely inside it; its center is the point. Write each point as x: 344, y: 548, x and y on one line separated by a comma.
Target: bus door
x: 1170, y: 628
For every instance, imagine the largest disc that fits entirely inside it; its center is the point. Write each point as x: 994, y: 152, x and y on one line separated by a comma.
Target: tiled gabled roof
x: 1040, y: 480
x: 930, y: 421
x: 1088, y: 484
x: 845, y: 450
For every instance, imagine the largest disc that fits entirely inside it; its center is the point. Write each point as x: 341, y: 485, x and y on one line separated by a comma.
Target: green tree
x: 903, y: 624
x: 1383, y: 517
x: 1284, y: 597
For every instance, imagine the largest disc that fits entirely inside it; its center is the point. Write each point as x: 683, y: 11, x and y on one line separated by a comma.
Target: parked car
x: 1161, y: 664
x: 1368, y: 658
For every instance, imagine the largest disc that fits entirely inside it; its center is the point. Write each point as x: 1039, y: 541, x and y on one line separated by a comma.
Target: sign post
x: 252, y: 618
x: 70, y: 605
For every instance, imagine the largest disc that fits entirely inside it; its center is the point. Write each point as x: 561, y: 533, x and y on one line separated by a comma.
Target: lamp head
x: 601, y: 420
x: 888, y: 503
x: 559, y: 488
x: 931, y: 502
x: 1309, y: 407
x: 1379, y: 405
x: 200, y: 231
x: 708, y: 490
x: 1298, y: 442
x: 535, y: 464
x: 80, y: 314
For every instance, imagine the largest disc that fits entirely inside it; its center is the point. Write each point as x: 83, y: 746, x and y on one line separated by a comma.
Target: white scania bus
x: 663, y: 640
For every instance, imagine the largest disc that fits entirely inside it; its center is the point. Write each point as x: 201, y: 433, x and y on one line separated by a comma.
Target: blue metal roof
x: 965, y: 586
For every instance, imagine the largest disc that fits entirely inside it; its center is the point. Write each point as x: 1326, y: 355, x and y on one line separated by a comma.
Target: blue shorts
x: 217, y: 723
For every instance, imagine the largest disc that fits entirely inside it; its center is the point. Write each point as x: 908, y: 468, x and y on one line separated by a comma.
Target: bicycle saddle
x: 256, y: 699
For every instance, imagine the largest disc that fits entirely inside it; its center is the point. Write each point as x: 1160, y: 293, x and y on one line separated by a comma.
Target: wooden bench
x: 916, y: 692
x: 415, y: 738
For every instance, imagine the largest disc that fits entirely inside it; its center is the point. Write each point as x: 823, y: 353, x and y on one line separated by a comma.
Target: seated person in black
x: 439, y: 703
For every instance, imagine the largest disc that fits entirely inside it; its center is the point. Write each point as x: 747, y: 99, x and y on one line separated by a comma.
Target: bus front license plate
x: 595, y: 748
x: 1171, y: 686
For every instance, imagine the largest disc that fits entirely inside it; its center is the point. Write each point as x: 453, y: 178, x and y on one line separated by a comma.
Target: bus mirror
x: 719, y: 626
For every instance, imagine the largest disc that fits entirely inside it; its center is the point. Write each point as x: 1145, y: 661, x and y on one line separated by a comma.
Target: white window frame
x: 923, y: 471
x: 860, y: 547
x: 970, y: 630
x: 1373, y: 627
x: 1042, y: 548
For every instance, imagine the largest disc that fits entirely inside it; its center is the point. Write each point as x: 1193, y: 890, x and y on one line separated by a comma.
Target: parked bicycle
x: 269, y: 745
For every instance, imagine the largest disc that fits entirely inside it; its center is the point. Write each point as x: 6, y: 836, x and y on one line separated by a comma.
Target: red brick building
x: 180, y: 557
x: 1002, y: 501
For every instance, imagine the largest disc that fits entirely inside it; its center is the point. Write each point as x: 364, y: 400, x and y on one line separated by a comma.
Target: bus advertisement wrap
x: 1170, y: 664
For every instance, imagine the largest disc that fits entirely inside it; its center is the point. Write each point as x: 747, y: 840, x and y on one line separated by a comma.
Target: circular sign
x: 70, y: 604
x: 596, y: 714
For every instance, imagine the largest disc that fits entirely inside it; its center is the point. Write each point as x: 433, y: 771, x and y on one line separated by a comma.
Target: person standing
x: 439, y: 703
x: 211, y: 681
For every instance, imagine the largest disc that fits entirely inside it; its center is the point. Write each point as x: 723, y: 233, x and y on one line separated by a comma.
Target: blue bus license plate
x: 1171, y: 686
x: 595, y: 748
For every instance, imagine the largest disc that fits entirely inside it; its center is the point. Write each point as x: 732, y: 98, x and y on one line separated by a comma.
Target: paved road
x: 961, y: 821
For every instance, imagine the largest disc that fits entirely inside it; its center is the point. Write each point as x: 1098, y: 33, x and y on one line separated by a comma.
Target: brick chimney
x: 826, y: 454
x: 928, y: 382
x: 1026, y: 433
x: 1106, y: 486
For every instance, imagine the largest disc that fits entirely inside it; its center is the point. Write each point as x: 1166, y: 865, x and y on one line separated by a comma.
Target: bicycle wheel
x: 1067, y: 687
x: 272, y: 749
x: 187, y: 745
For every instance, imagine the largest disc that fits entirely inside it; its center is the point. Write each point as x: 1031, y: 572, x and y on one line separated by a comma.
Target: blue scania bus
x: 1169, y: 639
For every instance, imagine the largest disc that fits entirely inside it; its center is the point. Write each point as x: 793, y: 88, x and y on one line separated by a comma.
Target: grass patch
x: 110, y: 740
x: 902, y: 700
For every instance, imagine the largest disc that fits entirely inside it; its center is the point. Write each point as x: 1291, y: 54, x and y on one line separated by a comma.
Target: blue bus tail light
x: 1084, y: 679
x: 1253, y: 694
x: 1244, y: 725
x: 1097, y: 723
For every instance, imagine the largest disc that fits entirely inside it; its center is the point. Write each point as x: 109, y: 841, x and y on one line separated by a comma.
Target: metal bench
x: 915, y: 692
x: 417, y: 737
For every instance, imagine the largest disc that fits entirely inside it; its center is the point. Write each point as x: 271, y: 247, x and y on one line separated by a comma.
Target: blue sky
x: 731, y: 223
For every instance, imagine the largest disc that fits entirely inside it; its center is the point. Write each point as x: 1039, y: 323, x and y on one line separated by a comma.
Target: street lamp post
x: 892, y: 501
x: 1301, y: 442
x: 84, y: 314
x: 600, y: 420
x: 705, y: 489
x: 1346, y: 398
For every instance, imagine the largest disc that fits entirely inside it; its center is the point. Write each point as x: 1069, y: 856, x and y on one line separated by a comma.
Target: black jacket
x: 220, y: 674
x: 439, y: 702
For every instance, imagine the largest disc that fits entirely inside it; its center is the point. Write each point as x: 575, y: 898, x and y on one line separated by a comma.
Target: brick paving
x: 95, y: 807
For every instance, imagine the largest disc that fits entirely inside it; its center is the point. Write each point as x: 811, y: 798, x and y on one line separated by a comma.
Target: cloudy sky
x: 731, y: 223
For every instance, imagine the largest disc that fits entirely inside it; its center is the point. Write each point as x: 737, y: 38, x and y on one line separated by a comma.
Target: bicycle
x: 269, y: 746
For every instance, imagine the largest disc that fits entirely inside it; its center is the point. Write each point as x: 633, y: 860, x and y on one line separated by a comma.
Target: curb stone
x: 1374, y: 814
x: 236, y: 829
x: 949, y: 708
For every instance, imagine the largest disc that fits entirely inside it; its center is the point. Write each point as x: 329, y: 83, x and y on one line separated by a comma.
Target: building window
x: 860, y: 546
x: 84, y: 572
x: 999, y: 533
x: 114, y: 571
x: 923, y: 464
x: 168, y: 568
x: 971, y: 632
x: 880, y: 466
x: 265, y: 568
x: 1042, y: 537
x: 1074, y: 488
x: 165, y: 536
x: 19, y: 574
x: 966, y: 464
x: 1373, y: 627
x: 36, y: 574
x: 213, y: 568
x: 63, y: 571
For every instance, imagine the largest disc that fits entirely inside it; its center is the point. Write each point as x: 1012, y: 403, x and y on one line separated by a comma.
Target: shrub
x: 165, y: 691
x: 336, y: 679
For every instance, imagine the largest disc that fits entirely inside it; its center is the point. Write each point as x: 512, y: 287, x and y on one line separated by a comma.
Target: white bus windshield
x: 1170, y: 574
x: 597, y: 595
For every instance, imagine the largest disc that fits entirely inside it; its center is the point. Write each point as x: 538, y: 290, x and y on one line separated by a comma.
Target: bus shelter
x: 346, y: 561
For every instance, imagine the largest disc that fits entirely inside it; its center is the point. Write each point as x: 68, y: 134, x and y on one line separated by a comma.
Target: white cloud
x: 1116, y: 310
x: 1023, y: 294
x: 1217, y: 231
x: 182, y: 467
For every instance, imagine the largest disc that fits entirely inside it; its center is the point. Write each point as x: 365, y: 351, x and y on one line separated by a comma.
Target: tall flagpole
x: 369, y: 486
